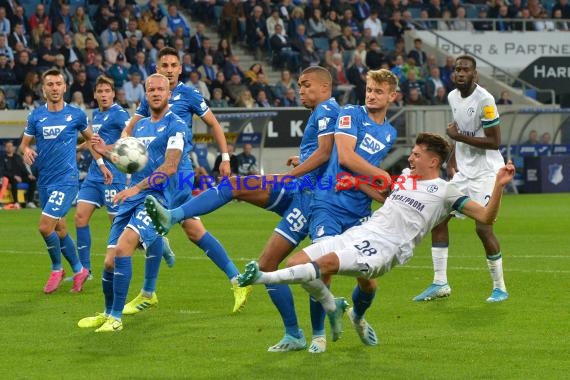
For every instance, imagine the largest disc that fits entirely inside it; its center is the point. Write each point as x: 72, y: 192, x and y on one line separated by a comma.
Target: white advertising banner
x: 511, y: 51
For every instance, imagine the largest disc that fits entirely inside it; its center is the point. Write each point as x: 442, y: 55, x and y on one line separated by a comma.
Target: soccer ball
x: 129, y: 155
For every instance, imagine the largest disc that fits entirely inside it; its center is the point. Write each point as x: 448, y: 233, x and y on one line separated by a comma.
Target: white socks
x: 495, y: 264
x: 439, y: 257
x: 292, y: 275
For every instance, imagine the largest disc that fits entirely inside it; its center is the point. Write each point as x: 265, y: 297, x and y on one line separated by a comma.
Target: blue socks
x: 317, y: 316
x: 107, y: 282
x: 361, y: 301
x: 210, y: 200
x: 121, y: 281
x: 216, y: 252
x: 54, y: 250
x: 152, y: 265
x: 68, y: 251
x: 84, y: 246
x: 282, y: 298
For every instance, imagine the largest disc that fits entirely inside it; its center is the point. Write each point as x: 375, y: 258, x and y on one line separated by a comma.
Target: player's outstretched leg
x: 335, y: 317
x: 250, y: 274
x: 434, y: 291
x: 160, y: 216
x: 363, y: 329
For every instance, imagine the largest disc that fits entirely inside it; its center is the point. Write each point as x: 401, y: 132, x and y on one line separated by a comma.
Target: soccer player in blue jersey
x: 185, y: 101
x: 164, y: 134
x: 100, y: 185
x: 363, y: 137
x: 290, y: 200
x: 54, y: 127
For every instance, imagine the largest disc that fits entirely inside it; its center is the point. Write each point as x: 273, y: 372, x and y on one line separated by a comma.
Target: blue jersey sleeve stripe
x: 490, y: 123
x: 27, y: 134
x: 460, y: 203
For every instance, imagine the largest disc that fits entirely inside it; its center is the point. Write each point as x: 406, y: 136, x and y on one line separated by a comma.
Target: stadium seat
x: 530, y: 92
x: 388, y: 43
x: 321, y: 43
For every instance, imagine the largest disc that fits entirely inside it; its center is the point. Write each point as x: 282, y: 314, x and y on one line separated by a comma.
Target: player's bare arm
x: 492, y: 138
x: 348, y: 158
x: 168, y: 168
x: 28, y: 153
x: 319, y: 157
x: 107, y: 175
x: 218, y: 133
x: 488, y: 215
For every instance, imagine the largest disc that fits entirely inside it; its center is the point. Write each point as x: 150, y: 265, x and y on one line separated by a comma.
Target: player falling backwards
x: 102, y: 184
x: 54, y: 127
x: 389, y: 237
x: 473, y: 165
x: 185, y: 101
x: 168, y: 149
x: 292, y: 201
x: 363, y: 138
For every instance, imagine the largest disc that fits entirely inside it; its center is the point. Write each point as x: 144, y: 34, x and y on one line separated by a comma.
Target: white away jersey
x: 412, y: 210
x: 473, y: 114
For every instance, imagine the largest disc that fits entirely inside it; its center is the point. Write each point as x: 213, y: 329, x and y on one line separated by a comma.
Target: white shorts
x: 478, y: 189
x: 361, y: 253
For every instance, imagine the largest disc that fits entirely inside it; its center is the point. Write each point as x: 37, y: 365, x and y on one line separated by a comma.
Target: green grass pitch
x: 191, y: 334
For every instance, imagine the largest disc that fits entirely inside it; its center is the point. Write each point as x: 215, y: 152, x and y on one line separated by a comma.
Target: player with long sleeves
x: 473, y: 166
x: 168, y: 149
x: 185, y: 101
x: 54, y: 127
x: 418, y: 203
x: 291, y: 200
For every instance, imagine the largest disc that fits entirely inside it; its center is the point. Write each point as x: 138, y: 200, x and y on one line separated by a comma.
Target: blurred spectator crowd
x: 121, y: 38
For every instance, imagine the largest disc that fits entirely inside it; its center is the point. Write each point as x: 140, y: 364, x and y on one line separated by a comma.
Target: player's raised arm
x: 210, y: 119
x: 488, y: 215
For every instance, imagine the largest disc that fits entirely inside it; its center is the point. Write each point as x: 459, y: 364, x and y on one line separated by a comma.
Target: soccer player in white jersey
x: 418, y: 203
x: 54, y: 127
x: 473, y: 165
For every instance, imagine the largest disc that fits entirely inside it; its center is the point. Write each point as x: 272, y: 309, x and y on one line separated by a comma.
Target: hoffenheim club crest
x: 555, y: 176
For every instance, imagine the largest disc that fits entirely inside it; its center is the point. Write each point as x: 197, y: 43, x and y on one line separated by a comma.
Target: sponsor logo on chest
x: 51, y: 132
x: 371, y: 145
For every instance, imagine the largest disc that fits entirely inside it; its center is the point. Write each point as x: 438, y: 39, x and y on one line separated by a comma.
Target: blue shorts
x: 280, y: 199
x: 99, y: 194
x: 325, y: 222
x: 56, y: 200
x: 132, y: 215
x: 294, y: 226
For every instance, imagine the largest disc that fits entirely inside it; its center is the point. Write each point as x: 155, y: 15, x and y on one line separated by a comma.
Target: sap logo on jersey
x: 53, y: 131
x: 371, y: 145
